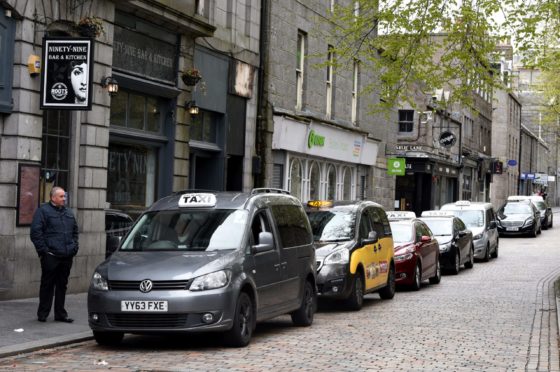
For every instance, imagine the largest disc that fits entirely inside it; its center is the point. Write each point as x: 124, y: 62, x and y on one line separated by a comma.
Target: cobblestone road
x: 499, y: 316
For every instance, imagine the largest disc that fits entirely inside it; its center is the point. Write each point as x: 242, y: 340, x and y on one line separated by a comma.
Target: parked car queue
x: 222, y: 261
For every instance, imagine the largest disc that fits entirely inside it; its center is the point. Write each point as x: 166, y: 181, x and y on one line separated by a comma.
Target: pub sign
x: 67, y: 74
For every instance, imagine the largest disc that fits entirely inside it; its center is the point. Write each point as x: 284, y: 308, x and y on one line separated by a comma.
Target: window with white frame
x: 329, y: 82
x: 314, y: 181
x: 300, y: 68
x: 295, y: 178
x: 331, y: 183
x: 406, y: 120
x: 355, y: 74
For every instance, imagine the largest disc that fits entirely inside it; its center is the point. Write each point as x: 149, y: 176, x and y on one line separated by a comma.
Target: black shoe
x: 42, y: 319
x: 65, y: 320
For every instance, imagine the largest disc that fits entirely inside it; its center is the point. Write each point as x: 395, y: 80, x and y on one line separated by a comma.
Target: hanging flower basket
x: 191, y: 76
x: 91, y: 27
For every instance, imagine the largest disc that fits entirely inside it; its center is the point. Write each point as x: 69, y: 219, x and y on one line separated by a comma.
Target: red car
x: 416, y: 253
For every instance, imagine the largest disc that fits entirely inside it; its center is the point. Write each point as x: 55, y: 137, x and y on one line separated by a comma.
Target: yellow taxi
x: 354, y: 250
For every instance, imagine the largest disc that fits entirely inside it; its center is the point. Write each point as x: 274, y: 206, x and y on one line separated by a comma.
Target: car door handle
x: 277, y: 266
x: 284, y: 264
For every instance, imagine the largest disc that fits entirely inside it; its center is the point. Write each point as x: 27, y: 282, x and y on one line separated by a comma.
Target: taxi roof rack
x: 195, y: 191
x: 264, y: 190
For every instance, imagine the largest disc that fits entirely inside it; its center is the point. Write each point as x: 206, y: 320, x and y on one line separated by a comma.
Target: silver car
x: 201, y: 262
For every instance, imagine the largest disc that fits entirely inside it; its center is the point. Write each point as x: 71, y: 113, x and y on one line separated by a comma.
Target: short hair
x: 54, y: 190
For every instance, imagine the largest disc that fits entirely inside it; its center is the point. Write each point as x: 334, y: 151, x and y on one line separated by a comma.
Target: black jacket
x: 54, y: 230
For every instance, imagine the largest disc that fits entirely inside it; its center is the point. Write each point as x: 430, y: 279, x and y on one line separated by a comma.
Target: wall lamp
x: 110, y: 84
x: 192, y: 108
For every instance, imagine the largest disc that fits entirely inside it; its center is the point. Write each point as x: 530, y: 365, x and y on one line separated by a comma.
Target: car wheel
x: 437, y: 276
x: 417, y: 279
x: 539, y: 230
x: 388, y: 292
x: 470, y: 263
x: 495, y: 253
x: 456, y: 264
x: 108, y: 338
x: 240, y: 333
x: 534, y: 232
x: 486, y: 257
x: 550, y: 223
x: 545, y: 224
x: 304, y: 315
x: 356, y: 299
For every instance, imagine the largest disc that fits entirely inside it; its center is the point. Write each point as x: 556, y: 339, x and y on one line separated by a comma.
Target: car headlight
x: 444, y: 247
x: 99, y: 282
x: 214, y: 280
x: 477, y: 236
x: 340, y: 256
x: 529, y: 221
x: 403, y: 257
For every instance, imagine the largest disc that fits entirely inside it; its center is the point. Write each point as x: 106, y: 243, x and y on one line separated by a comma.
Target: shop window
x: 314, y: 182
x: 406, y: 120
x: 331, y: 183
x: 295, y: 178
x: 55, y: 151
x: 131, y: 176
x: 347, y: 184
x: 136, y: 111
x: 204, y: 127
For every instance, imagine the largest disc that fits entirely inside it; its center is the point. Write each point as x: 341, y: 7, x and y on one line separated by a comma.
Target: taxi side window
x: 419, y: 231
x: 365, y: 225
x: 377, y: 221
x: 293, y: 226
x: 260, y: 224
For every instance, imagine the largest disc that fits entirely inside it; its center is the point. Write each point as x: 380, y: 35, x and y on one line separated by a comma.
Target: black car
x: 546, y: 213
x: 455, y: 240
x: 519, y: 217
x: 117, y: 224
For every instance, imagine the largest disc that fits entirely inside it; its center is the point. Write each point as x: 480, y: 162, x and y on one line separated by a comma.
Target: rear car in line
x: 519, y: 217
x: 207, y: 262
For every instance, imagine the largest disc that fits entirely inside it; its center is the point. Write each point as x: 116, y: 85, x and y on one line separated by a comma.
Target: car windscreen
x: 188, y: 230
x: 333, y: 224
x: 471, y: 218
x: 402, y: 232
x: 440, y: 226
x: 516, y: 208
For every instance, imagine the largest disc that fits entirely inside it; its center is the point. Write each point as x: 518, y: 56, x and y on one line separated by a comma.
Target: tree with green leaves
x: 442, y: 44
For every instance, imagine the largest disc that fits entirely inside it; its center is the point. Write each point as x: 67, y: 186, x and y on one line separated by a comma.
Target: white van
x: 480, y: 218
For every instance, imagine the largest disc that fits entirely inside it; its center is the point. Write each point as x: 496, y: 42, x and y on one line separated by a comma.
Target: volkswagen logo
x: 146, y: 285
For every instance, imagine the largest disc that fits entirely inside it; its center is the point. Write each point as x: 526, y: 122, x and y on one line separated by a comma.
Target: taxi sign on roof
x: 400, y: 214
x: 197, y: 200
x: 319, y: 203
x: 463, y: 202
x: 439, y: 213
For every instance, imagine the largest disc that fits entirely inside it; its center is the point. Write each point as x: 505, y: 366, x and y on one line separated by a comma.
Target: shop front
x: 318, y: 161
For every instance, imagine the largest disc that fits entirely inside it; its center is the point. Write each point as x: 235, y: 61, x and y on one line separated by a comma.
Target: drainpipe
x: 259, y: 166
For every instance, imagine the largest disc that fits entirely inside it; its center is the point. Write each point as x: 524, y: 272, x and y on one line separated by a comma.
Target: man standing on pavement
x: 54, y: 232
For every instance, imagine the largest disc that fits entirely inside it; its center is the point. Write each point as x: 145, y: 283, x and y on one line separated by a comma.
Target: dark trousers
x: 54, y: 279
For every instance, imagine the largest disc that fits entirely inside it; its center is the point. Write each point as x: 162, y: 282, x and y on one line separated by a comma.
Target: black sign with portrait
x: 67, y: 74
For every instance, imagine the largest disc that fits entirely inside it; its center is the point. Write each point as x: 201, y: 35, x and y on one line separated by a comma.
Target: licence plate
x: 149, y: 306
x: 512, y: 228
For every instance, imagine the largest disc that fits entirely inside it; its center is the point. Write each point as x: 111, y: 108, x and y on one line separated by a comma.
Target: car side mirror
x: 113, y: 243
x: 425, y: 239
x: 266, y: 243
x: 462, y: 233
x: 372, y: 238
x: 493, y: 224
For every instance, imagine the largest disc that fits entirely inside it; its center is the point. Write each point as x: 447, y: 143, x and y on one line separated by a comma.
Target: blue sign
x: 512, y: 162
x: 523, y: 176
x: 530, y: 176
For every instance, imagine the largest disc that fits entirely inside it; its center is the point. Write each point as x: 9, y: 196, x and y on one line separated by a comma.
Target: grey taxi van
x: 207, y: 261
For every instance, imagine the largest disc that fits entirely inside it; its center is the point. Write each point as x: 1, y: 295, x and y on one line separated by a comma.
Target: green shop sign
x: 315, y: 140
x: 396, y: 166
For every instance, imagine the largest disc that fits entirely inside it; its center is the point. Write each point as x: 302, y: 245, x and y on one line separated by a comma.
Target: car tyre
x: 456, y: 264
x: 495, y: 253
x: 388, y: 292
x: 356, y: 299
x: 550, y: 226
x: 417, y: 278
x: 486, y: 257
x: 437, y: 276
x: 470, y: 263
x: 243, y: 323
x: 303, y: 316
x: 108, y: 338
x: 534, y: 233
